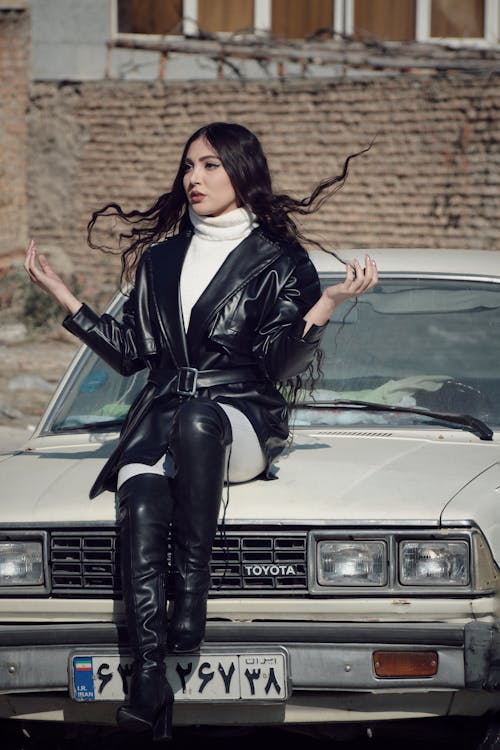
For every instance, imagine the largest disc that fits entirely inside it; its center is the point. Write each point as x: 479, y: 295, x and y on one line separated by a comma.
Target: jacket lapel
x: 167, y: 259
x: 247, y: 259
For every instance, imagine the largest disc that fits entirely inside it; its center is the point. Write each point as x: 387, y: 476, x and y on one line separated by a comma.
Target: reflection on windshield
x: 97, y: 396
x: 434, y: 344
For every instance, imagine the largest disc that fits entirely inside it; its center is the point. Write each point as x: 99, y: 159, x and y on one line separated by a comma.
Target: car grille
x: 87, y: 563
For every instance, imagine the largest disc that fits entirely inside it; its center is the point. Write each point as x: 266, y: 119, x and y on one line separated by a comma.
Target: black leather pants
x: 199, y: 441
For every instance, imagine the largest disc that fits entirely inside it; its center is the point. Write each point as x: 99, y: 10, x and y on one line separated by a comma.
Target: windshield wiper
x: 90, y: 426
x: 464, y: 421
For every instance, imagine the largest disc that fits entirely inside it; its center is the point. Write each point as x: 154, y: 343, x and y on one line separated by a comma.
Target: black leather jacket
x: 250, y: 316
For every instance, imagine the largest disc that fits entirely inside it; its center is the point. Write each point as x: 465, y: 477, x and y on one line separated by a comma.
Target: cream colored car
x: 358, y: 589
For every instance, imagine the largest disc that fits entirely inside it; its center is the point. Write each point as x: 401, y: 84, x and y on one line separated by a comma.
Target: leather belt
x: 186, y: 381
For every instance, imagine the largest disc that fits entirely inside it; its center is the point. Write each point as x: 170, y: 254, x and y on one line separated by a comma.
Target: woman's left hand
x: 358, y: 280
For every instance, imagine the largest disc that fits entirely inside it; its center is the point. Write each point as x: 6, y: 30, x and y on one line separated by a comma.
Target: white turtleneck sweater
x: 213, y: 239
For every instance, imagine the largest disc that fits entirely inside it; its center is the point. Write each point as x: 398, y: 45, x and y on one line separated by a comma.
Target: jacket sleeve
x: 280, y: 344
x: 114, y: 341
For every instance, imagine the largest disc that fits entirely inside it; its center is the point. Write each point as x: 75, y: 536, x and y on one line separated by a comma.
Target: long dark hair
x: 243, y: 158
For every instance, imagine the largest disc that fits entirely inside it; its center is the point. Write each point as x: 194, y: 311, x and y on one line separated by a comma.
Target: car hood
x: 324, y: 477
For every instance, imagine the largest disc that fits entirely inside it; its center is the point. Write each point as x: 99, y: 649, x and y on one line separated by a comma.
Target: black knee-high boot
x: 145, y: 507
x: 199, y: 440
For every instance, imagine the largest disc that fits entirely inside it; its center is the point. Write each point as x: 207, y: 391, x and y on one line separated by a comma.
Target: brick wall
x: 432, y: 177
x: 14, y: 99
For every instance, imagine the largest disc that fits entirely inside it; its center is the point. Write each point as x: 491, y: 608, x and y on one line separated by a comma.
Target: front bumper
x: 321, y: 656
x: 331, y: 679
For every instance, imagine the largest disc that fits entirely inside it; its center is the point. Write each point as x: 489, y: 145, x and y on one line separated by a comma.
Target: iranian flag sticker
x: 83, y: 675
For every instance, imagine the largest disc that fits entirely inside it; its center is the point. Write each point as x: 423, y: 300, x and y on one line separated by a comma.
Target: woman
x: 225, y: 305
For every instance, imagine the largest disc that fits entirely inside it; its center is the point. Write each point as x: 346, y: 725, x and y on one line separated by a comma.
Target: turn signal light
x: 405, y: 664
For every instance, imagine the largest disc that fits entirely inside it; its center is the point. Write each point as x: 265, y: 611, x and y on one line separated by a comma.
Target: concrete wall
x: 69, y: 38
x: 69, y: 44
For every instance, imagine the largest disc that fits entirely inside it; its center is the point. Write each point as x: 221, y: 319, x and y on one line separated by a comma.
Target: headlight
x: 21, y: 564
x: 443, y: 563
x: 352, y: 563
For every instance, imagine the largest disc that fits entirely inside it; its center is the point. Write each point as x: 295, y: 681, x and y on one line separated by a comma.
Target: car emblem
x: 269, y: 570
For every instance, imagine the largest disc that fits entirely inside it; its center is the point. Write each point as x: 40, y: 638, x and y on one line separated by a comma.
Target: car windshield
x: 426, y: 343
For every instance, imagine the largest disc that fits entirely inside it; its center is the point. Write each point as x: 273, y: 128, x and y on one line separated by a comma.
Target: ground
x: 31, y: 366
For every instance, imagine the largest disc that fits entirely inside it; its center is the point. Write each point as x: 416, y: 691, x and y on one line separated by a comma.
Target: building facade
x: 102, y: 95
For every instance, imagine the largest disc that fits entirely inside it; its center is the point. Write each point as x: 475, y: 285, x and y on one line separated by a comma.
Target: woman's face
x: 206, y: 182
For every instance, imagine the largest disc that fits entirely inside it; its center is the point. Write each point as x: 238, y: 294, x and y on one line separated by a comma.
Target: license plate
x: 245, y: 676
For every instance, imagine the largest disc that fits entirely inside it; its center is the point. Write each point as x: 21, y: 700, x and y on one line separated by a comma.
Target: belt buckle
x: 187, y: 378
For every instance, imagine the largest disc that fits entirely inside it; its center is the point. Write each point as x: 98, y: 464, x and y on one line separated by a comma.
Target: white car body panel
x: 351, y: 473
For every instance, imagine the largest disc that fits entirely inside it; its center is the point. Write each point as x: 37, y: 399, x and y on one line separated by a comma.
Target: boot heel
x: 162, y: 728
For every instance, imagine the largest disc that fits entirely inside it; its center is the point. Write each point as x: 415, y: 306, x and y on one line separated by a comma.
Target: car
x: 357, y: 592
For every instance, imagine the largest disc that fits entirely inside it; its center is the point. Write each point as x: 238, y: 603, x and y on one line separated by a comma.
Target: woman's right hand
x: 38, y: 269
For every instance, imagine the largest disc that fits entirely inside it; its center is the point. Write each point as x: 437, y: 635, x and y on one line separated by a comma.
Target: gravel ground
x: 31, y: 366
